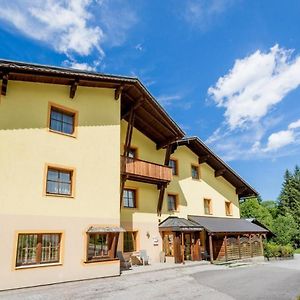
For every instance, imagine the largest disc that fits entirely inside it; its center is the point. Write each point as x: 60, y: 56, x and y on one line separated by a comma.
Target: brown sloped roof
x: 151, y: 119
x: 243, y: 189
x: 179, y: 224
x: 227, y: 225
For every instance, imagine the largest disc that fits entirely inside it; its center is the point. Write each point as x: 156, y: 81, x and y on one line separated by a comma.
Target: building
x: 91, y: 164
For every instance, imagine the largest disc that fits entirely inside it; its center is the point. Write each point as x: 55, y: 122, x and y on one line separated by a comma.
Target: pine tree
x: 289, y: 198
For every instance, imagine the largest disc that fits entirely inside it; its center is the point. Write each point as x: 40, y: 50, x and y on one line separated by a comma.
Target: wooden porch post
x: 182, y: 247
x: 239, y: 243
x: 211, y: 248
x: 261, y: 245
x: 250, y: 241
x: 225, y: 244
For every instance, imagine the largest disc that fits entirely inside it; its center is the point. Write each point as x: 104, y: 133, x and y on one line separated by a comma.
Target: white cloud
x: 284, y: 137
x: 62, y: 24
x: 71, y: 27
x: 202, y: 13
x: 255, y: 84
x: 167, y: 100
x: 73, y: 64
x: 280, y: 139
x: 295, y: 124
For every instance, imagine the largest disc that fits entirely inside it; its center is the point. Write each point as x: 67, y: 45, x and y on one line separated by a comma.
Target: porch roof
x: 179, y: 224
x: 227, y: 225
x: 98, y: 229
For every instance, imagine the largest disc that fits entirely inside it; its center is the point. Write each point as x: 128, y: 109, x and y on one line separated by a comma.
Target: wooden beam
x: 211, y: 253
x: 203, y: 158
x: 220, y: 172
x: 138, y: 103
x: 163, y: 187
x: 73, y: 88
x: 166, y: 143
x: 182, y: 247
x: 118, y: 92
x: 4, y: 84
x: 240, y: 190
x: 239, y: 243
x: 225, y: 245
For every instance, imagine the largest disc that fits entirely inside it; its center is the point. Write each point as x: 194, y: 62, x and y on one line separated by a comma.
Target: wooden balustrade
x: 140, y: 170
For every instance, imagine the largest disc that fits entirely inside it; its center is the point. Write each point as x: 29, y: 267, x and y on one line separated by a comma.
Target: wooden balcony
x: 144, y: 171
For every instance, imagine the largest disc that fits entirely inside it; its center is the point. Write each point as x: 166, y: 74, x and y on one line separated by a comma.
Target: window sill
x: 60, y: 195
x: 38, y: 266
x: 101, y: 260
x: 62, y: 133
x: 209, y: 214
x: 130, y: 208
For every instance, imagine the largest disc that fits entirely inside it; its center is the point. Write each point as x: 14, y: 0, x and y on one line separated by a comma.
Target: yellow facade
x: 26, y: 147
x: 190, y: 194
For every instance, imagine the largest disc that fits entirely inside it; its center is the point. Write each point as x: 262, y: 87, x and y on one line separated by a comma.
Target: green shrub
x: 274, y: 250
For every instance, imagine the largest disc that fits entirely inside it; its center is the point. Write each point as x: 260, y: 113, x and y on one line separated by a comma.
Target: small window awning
x: 107, y: 229
x: 227, y: 225
x: 179, y: 224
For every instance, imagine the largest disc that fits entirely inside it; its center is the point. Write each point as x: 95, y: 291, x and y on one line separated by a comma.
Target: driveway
x: 273, y: 280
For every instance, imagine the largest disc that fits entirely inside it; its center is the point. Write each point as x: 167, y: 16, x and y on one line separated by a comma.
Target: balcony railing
x: 140, y: 170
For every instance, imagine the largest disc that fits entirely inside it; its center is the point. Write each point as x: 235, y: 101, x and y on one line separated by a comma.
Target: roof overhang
x: 221, y: 225
x: 179, y: 224
x: 205, y: 155
x: 150, y: 118
x: 107, y: 229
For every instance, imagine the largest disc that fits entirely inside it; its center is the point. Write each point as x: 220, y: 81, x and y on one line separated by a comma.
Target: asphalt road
x: 274, y: 280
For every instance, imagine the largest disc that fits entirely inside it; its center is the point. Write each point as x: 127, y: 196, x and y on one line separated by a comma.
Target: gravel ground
x: 273, y: 280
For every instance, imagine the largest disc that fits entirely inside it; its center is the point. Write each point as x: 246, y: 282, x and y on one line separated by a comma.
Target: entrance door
x: 187, y: 246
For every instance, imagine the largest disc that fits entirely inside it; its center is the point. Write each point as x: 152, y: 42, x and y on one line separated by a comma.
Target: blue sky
x: 227, y: 71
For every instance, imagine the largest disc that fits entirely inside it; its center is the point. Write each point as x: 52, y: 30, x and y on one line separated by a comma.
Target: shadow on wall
x: 26, y: 105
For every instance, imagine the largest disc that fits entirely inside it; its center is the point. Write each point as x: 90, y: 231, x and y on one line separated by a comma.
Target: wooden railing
x: 146, y: 171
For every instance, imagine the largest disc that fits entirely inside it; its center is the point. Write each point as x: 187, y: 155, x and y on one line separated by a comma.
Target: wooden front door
x: 188, y: 246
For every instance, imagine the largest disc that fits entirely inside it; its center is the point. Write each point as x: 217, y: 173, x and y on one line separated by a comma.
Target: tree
x: 285, y: 229
x: 289, y: 198
x: 251, y: 208
x: 271, y: 206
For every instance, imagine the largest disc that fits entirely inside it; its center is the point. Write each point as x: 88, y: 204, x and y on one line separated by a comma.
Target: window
x: 36, y: 249
x: 98, y: 246
x: 132, y: 153
x: 195, y: 172
x: 129, y: 198
x: 207, y: 207
x: 62, y: 120
x: 59, y: 182
x: 172, y: 202
x: 173, y: 164
x: 228, y: 208
x: 129, y: 241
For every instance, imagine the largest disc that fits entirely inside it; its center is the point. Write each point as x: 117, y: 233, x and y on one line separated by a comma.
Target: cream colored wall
x: 191, y: 192
x: 27, y: 145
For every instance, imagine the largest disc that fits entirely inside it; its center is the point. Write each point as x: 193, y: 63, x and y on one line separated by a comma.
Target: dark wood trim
x: 240, y: 190
x: 220, y: 172
x: 211, y: 252
x: 73, y: 88
x: 203, y: 158
x: 170, y: 149
x: 118, y: 92
x: 4, y: 84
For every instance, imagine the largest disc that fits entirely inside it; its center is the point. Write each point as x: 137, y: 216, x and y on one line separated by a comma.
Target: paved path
x: 274, y: 280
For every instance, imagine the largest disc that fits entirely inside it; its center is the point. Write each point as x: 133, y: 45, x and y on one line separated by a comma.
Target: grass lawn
x: 297, y: 251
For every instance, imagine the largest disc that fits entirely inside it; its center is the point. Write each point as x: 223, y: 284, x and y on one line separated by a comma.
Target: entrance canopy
x: 179, y: 224
x: 227, y: 225
x: 96, y: 229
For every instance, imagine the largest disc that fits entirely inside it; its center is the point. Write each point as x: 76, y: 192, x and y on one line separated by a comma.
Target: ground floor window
x: 169, y: 244
x: 98, y: 246
x: 35, y: 249
x: 129, y: 241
